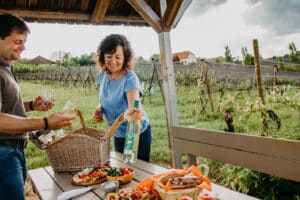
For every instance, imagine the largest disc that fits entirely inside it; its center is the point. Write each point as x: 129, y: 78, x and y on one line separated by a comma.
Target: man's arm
x: 12, y: 124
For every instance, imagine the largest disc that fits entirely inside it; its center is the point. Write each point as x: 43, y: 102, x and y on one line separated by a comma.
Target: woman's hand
x: 134, y: 114
x: 98, y: 115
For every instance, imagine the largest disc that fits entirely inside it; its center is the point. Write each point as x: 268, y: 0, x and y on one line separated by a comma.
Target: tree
x: 228, y: 55
x: 140, y: 60
x: 248, y: 59
x: 86, y: 60
x: 294, y: 54
x: 155, y: 57
x: 66, y: 59
x: 83, y: 60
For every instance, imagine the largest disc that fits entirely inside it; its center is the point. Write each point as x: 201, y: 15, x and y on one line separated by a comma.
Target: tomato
x: 95, y: 174
x: 87, y: 177
x: 186, y: 198
x: 125, y: 171
x: 81, y: 176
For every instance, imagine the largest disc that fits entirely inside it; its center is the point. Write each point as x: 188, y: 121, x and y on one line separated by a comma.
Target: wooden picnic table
x: 49, y: 185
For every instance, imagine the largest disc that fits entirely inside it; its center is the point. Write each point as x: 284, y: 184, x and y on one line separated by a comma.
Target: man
x: 14, y: 124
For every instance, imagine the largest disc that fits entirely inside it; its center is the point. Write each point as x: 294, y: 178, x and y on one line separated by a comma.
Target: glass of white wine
x: 69, y: 108
x: 47, y: 95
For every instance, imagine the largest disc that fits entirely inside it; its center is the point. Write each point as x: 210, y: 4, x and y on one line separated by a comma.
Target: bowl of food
x: 123, y: 175
x: 110, y: 186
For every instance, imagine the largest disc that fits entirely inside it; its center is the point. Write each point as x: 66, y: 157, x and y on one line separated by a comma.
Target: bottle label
x: 128, y: 146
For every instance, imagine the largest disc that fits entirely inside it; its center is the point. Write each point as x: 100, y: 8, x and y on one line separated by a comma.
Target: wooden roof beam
x: 48, y: 15
x: 99, y: 11
x: 170, y: 14
x: 174, y: 12
x: 185, y: 4
x: 52, y: 16
x: 146, y: 12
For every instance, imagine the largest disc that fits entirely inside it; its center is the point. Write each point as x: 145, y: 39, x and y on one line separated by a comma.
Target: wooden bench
x: 272, y: 156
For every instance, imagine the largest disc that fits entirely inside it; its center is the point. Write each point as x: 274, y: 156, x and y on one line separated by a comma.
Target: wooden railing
x: 272, y: 156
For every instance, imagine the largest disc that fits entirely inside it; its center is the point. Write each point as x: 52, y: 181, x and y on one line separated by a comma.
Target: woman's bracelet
x: 31, y: 105
x: 46, y: 123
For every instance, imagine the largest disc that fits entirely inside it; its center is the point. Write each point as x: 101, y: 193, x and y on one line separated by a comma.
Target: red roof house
x: 185, y: 57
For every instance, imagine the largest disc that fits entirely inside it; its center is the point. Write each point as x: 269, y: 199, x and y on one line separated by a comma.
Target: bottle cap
x: 136, y: 104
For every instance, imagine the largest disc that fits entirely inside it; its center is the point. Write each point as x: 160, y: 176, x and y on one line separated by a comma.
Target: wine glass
x: 69, y: 108
x: 48, y: 98
x: 47, y: 95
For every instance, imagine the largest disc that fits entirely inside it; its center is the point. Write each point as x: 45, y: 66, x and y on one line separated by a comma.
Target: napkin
x: 73, y: 193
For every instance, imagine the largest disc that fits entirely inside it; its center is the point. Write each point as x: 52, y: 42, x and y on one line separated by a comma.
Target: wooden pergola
x: 272, y: 156
x: 161, y: 15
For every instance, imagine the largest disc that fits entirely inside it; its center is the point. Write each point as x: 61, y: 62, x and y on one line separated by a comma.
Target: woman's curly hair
x: 109, y: 45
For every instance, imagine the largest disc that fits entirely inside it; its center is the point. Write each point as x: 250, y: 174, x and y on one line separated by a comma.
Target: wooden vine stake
x: 206, y: 83
x: 275, y: 70
x: 259, y: 81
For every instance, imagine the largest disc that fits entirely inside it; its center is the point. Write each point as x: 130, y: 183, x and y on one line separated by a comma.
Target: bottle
x: 136, y: 135
x: 132, y: 138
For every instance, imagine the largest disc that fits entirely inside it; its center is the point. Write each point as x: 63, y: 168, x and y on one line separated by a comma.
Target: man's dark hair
x: 10, y: 23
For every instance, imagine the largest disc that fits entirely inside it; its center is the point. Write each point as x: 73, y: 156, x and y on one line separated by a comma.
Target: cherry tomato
x: 186, y: 198
x: 95, y: 174
x: 125, y: 171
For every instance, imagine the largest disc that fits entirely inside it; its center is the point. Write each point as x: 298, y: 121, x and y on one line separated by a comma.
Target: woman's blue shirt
x: 113, y: 98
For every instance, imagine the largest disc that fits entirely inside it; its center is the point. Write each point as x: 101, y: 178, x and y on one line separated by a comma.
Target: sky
x: 205, y: 29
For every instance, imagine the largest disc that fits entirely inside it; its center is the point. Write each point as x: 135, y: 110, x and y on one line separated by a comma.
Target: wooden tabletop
x: 49, y: 185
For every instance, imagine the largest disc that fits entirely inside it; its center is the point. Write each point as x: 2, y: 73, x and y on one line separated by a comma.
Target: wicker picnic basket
x: 83, y: 148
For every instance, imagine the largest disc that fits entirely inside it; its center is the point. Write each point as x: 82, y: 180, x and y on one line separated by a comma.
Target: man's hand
x: 40, y: 104
x: 98, y: 115
x: 59, y: 120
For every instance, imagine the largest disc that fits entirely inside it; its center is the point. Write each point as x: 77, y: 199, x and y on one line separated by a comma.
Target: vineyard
x: 231, y: 104
x: 210, y: 89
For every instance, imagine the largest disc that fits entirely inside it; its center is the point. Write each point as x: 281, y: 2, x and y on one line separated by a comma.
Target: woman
x: 119, y: 87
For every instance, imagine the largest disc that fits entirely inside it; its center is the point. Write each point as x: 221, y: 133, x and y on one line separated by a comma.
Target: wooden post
x: 258, y: 70
x: 169, y: 91
x: 259, y: 80
x: 275, y: 70
x: 206, y: 83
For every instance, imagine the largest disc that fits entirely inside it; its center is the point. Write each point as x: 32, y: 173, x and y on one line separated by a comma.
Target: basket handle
x: 115, y: 126
x: 82, y: 122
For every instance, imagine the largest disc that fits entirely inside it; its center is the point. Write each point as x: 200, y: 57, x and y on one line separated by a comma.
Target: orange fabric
x: 147, y: 184
x: 168, y: 185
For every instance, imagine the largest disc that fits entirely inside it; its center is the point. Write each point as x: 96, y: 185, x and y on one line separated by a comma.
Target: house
x: 185, y: 57
x: 39, y: 60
